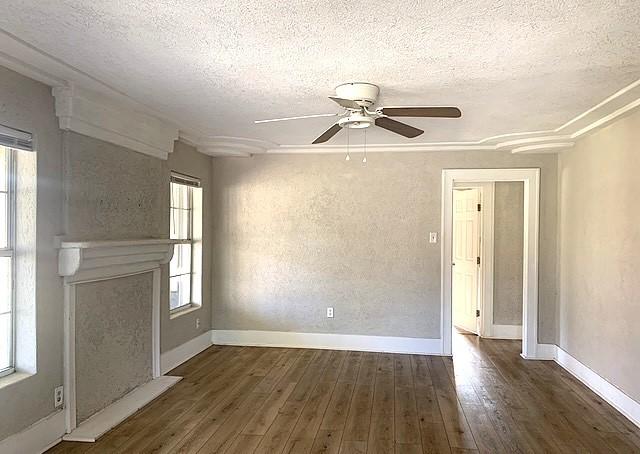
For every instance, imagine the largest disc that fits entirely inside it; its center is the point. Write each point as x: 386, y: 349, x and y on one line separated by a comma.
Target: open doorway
x: 468, y: 254
x: 487, y: 258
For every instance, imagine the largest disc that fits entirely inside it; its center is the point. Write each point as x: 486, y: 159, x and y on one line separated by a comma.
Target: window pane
x: 5, y: 341
x: 5, y: 284
x: 179, y: 291
x: 179, y: 224
x: 181, y: 261
x: 4, y: 219
x: 179, y: 196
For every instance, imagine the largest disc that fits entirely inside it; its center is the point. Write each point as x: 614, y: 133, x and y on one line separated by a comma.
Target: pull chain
x: 348, y: 158
x: 364, y: 159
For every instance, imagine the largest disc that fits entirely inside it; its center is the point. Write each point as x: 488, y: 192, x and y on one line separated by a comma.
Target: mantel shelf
x: 86, y: 261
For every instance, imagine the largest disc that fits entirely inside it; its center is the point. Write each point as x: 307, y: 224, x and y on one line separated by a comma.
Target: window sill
x: 175, y: 313
x: 13, y: 378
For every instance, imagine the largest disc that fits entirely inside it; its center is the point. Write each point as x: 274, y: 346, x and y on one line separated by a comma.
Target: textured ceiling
x: 511, y: 66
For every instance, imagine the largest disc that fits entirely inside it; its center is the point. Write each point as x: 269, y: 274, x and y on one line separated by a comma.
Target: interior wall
x: 29, y: 106
x: 298, y: 233
x: 508, y: 245
x: 599, y: 244
x: 112, y: 192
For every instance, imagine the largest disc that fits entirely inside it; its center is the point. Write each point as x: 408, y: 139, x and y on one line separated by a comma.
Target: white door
x: 466, y: 253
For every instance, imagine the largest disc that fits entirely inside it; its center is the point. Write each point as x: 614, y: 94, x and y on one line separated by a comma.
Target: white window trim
x: 9, y: 251
x: 185, y: 180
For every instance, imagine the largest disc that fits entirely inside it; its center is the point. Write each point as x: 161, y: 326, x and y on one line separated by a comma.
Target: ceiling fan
x: 357, y: 99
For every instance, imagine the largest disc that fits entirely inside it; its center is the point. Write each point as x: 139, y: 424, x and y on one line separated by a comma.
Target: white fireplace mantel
x: 90, y: 261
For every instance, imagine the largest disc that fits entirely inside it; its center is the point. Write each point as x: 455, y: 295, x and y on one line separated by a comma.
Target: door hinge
x: 477, y: 312
x: 478, y: 260
x: 479, y: 207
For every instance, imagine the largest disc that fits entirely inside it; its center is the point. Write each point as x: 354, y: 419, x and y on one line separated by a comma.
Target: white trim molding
x: 106, y: 419
x: 173, y: 358
x: 531, y: 180
x: 386, y: 344
x: 617, y: 398
x: 599, y: 385
x: 95, y: 115
x: 545, y: 352
x: 36, y: 438
x: 226, y: 146
x: 91, y: 261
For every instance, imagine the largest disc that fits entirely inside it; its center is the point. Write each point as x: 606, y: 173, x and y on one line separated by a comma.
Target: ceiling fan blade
x: 296, y: 118
x: 329, y: 133
x: 439, y: 112
x: 399, y: 128
x: 346, y: 103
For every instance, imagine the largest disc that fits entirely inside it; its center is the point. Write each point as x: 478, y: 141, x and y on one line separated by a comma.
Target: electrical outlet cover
x: 58, y: 396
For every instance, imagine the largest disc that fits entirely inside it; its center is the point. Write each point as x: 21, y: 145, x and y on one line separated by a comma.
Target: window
x: 7, y: 247
x: 185, y: 269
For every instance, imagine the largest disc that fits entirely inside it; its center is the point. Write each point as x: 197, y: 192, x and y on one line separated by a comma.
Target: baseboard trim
x: 36, y: 438
x: 103, y: 421
x: 386, y: 344
x: 546, y: 352
x: 506, y: 332
x: 173, y: 358
x: 599, y: 385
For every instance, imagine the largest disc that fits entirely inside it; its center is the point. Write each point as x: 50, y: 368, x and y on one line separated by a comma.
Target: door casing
x: 531, y: 180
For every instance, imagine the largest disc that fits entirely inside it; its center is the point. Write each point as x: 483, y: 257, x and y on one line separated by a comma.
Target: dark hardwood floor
x: 274, y: 400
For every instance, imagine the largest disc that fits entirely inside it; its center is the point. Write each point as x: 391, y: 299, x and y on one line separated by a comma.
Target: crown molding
x: 110, y: 124
x: 217, y: 146
x: 96, y: 115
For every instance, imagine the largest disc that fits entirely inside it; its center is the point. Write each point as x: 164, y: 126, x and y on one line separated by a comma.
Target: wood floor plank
x: 434, y: 438
x: 303, y: 434
x: 407, y: 428
x: 327, y: 441
x: 351, y: 367
x: 336, y: 415
x: 244, y: 444
x: 262, y: 419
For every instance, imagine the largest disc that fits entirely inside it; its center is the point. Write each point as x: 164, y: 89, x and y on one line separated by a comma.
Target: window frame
x: 9, y: 251
x: 190, y: 183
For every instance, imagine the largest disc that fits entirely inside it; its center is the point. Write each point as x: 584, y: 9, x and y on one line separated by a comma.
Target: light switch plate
x: 433, y: 237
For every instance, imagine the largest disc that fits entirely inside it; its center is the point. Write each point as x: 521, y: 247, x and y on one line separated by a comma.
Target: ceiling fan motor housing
x: 356, y: 120
x: 363, y: 93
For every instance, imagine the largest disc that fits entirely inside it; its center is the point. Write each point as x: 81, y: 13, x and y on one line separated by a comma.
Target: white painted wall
x: 599, y: 227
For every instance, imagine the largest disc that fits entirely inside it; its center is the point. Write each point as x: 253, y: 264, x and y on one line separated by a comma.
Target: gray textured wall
x: 599, y: 244
x: 113, y: 340
x: 112, y: 192
x: 28, y: 105
x: 508, y: 253
x: 297, y: 233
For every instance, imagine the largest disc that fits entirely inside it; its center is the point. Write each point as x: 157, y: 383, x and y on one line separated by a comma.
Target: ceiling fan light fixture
x: 356, y: 120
